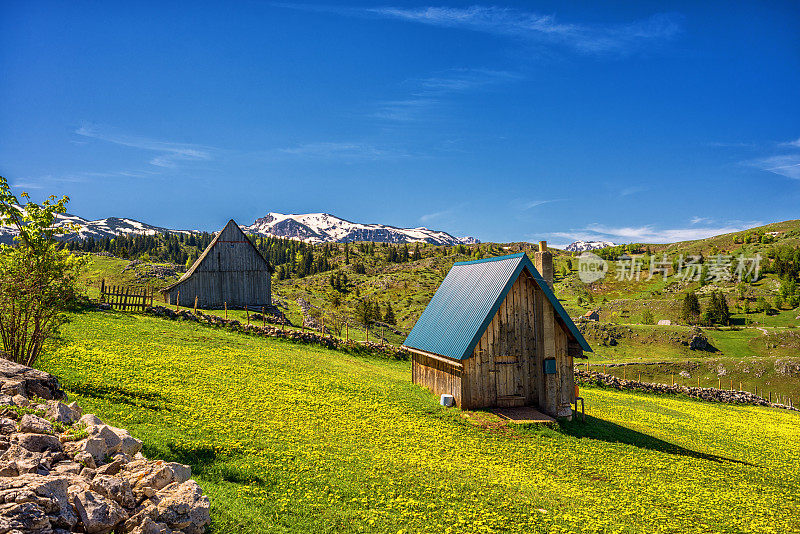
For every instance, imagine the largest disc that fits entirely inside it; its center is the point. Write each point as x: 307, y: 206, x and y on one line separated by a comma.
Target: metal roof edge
x: 494, y: 258
x: 496, y: 306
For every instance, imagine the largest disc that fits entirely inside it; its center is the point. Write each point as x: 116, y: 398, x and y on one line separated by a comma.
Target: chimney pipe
x: 543, y: 261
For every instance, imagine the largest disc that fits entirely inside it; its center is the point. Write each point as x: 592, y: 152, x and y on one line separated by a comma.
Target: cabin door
x: 509, y: 376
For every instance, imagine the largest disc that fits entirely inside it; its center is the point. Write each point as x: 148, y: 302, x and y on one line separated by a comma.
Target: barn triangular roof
x: 468, y: 298
x: 231, y: 227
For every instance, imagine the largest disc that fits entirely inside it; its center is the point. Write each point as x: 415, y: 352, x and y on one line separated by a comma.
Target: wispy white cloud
x: 632, y: 190
x: 536, y: 27
x: 426, y: 93
x: 525, y: 205
x: 347, y: 151
x: 698, y: 220
x: 443, y: 215
x: 168, y: 154
x: 26, y: 185
x: 651, y: 233
x: 795, y: 143
x: 786, y: 164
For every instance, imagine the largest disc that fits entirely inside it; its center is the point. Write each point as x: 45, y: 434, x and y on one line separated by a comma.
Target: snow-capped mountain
x: 323, y: 227
x: 109, y: 227
x: 580, y: 246
x: 310, y: 227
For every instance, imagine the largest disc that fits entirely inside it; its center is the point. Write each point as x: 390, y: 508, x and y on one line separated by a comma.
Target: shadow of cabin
x: 230, y: 272
x: 495, y: 335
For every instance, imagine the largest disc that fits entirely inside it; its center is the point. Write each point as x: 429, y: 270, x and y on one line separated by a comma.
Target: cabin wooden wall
x: 438, y: 376
x: 502, y: 369
x: 525, y: 328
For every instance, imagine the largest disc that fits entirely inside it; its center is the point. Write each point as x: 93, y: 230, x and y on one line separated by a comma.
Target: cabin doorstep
x: 230, y: 272
x: 495, y: 335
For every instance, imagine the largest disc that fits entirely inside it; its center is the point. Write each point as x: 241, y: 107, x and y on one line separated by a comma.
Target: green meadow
x: 295, y: 438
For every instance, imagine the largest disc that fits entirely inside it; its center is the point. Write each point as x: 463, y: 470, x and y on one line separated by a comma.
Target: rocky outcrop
x: 62, y: 471
x: 16, y: 379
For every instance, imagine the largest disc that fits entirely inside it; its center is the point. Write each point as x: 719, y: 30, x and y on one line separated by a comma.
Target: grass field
x: 293, y: 438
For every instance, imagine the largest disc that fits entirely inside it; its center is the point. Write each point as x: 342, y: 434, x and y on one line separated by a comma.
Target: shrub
x: 37, y: 280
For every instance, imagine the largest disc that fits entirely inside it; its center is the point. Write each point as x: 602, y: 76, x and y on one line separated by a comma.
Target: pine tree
x: 690, y: 310
x: 388, y: 317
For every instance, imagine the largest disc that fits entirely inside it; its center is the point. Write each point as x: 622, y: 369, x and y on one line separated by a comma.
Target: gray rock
x: 107, y: 434
x: 96, y: 447
x: 20, y: 400
x: 58, y: 411
x: 77, y: 412
x: 184, y: 508
x: 39, y: 442
x: 34, y: 424
x: 7, y: 426
x: 180, y: 473
x: 25, y: 518
x: 148, y: 526
x: 48, y: 493
x: 97, y: 513
x: 85, y: 459
x: 31, y: 381
x: 67, y: 467
x: 90, y: 419
x: 130, y: 446
x: 118, y: 489
x: 6, y: 400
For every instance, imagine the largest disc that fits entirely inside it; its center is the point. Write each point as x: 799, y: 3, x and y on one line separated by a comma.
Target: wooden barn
x: 229, y: 271
x: 495, y: 335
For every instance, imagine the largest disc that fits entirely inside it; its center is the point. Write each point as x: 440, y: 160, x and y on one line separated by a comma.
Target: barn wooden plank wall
x: 230, y: 271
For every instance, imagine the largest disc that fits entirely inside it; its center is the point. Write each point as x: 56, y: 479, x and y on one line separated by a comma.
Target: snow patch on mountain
x: 97, y: 229
x: 581, y: 246
x: 324, y: 227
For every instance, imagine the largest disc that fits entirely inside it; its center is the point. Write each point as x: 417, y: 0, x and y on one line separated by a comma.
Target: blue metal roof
x: 468, y: 299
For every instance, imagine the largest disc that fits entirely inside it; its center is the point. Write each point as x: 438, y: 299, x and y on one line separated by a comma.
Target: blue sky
x: 506, y: 121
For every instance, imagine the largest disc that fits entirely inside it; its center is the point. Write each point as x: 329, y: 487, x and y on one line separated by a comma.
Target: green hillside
x: 293, y: 438
x: 758, y: 351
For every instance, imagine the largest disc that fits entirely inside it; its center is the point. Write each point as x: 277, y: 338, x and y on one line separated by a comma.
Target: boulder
x: 115, y: 488
x: 58, y: 411
x: 77, y: 412
x: 31, y: 382
x: 184, y: 507
x: 96, y: 447
x: 107, y: 434
x: 34, y: 424
x: 20, y: 400
x: 97, y: 513
x: 39, y: 442
x: 90, y: 419
x: 180, y: 473
x: 7, y: 426
x: 24, y: 518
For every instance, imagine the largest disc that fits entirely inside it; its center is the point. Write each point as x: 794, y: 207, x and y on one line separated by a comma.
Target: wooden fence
x: 126, y: 298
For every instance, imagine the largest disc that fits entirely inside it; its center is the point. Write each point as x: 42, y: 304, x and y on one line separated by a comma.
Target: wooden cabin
x: 495, y: 335
x: 593, y: 315
x: 230, y: 271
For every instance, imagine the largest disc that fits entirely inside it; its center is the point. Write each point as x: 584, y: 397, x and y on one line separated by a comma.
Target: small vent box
x: 550, y: 366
